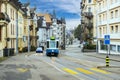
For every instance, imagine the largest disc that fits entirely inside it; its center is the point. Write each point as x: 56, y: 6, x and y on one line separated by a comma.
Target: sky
x: 70, y: 9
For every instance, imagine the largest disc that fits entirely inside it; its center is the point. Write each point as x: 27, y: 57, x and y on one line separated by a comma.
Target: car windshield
x: 39, y: 48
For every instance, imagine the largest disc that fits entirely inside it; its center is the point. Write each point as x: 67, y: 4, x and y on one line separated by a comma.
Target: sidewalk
x: 103, y: 56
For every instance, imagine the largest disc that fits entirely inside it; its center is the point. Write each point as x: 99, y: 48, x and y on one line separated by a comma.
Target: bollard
x: 107, y: 61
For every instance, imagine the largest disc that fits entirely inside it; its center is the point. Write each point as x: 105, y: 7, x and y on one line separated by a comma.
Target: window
x: 89, y: 1
x: 116, y: 28
x: 103, y: 30
x: 118, y: 48
x: 112, y: 29
x: 103, y: 17
x: 11, y: 29
x: 100, y: 18
x: 116, y: 13
x: 111, y: 14
x: 100, y: 31
x: 99, y: 6
x: 52, y: 44
x: 113, y: 47
x: 102, y: 46
x: 89, y: 9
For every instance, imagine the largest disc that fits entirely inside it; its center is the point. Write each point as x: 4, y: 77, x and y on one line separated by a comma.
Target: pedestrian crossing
x: 85, y: 71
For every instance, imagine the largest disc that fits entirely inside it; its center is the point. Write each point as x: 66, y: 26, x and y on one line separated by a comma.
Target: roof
x: 47, y: 17
x: 32, y: 10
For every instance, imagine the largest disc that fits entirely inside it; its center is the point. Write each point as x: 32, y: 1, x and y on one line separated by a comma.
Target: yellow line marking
x: 99, y: 70
x: 70, y: 71
x: 22, y: 69
x: 84, y: 71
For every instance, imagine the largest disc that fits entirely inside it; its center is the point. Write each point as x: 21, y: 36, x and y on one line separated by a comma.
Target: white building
x: 109, y: 24
x: 44, y: 24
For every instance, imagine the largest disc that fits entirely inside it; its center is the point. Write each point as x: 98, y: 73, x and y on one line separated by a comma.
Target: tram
x: 52, y: 47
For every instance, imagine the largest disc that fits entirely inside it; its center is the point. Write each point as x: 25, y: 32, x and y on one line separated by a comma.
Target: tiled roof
x: 47, y: 17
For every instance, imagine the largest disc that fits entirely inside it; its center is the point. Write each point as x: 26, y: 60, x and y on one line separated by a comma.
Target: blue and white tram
x: 52, y: 47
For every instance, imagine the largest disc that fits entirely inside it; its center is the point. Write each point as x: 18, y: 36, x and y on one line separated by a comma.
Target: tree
x: 77, y: 32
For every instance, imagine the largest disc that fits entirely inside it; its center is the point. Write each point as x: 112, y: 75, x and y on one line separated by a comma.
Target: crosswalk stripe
x: 99, y: 70
x: 22, y: 69
x: 84, y: 71
x: 70, y: 71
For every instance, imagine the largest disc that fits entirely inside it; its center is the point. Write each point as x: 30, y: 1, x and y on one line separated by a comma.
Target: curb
x: 104, y: 58
x: 108, y: 66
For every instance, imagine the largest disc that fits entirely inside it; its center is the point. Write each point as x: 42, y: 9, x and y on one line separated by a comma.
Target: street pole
x: 17, y: 33
x: 28, y: 35
x: 96, y: 29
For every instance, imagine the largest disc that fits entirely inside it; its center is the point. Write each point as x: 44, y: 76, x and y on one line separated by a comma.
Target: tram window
x: 47, y: 44
x: 57, y: 44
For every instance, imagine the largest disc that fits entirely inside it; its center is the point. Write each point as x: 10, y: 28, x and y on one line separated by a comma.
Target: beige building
x: 16, y: 24
x: 109, y: 24
x: 4, y: 21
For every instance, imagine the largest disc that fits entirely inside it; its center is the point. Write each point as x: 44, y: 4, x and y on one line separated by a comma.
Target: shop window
x: 118, y: 48
x: 102, y: 45
x: 113, y: 47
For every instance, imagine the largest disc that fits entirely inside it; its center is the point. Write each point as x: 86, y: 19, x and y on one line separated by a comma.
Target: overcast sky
x: 70, y: 9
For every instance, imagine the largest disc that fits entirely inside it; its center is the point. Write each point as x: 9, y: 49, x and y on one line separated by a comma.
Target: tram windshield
x: 52, y: 44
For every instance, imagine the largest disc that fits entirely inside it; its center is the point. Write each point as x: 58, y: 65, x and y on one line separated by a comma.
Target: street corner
x: 112, y: 69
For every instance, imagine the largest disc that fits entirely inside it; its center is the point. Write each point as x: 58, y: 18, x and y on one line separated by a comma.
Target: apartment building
x: 17, y: 25
x: 44, y: 24
x: 4, y: 21
x: 87, y: 19
x: 108, y: 19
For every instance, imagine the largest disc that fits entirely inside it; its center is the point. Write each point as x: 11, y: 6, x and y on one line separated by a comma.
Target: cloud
x: 70, y: 9
x: 72, y: 23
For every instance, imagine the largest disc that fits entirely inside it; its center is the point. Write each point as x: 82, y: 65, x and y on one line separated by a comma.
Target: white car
x: 39, y: 50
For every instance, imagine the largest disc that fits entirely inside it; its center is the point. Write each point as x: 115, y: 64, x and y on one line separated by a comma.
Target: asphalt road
x: 70, y: 65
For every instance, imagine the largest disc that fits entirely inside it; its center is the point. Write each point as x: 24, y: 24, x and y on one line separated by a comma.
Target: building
x: 44, y: 24
x: 4, y: 21
x: 109, y: 24
x: 87, y: 11
x: 17, y: 25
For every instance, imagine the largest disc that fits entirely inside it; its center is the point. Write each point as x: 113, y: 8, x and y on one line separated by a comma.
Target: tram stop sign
x: 107, y: 39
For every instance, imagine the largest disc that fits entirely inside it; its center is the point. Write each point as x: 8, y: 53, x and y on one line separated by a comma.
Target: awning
x: 4, y: 16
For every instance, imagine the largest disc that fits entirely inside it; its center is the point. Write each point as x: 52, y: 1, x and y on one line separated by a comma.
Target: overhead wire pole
x: 17, y: 33
x: 28, y: 35
x: 95, y: 3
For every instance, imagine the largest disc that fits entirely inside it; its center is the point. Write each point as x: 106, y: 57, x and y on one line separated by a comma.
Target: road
x: 71, y: 64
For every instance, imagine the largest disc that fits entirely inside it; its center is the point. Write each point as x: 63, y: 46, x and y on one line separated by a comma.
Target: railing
x: 88, y: 15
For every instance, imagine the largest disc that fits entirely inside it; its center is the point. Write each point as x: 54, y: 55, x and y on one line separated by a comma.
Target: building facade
x: 87, y: 26
x: 17, y: 24
x: 109, y: 24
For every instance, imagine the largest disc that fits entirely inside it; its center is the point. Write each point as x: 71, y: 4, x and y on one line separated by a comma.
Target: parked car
x: 39, y: 50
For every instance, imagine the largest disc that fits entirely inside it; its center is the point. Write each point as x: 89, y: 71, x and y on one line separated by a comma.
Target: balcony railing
x: 89, y: 15
x: 4, y: 18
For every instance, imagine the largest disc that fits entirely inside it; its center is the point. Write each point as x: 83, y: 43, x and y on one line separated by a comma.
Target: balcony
x: 89, y: 25
x: 82, y: 22
x: 89, y: 15
x: 4, y: 19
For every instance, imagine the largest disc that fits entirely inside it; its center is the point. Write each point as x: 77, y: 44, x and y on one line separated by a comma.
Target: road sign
x: 107, y: 39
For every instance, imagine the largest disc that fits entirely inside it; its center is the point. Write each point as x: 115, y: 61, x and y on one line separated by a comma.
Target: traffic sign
x: 107, y: 39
